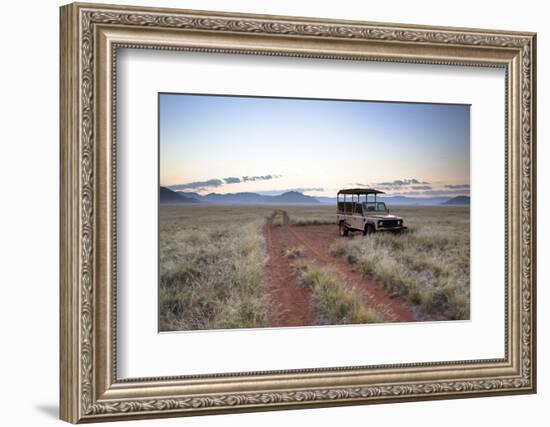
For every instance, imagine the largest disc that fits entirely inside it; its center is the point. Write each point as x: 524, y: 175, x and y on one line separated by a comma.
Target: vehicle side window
x: 358, y: 209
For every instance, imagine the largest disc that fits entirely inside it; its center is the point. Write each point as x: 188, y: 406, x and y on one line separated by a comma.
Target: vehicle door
x: 357, y: 218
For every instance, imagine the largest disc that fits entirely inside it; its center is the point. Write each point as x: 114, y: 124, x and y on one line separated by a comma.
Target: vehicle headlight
x: 380, y: 223
x: 399, y: 222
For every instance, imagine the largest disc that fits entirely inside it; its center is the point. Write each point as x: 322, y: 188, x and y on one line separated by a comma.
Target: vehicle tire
x: 369, y: 229
x: 343, y: 229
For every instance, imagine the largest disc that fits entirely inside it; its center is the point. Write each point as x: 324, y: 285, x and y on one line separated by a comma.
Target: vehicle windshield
x: 374, y: 207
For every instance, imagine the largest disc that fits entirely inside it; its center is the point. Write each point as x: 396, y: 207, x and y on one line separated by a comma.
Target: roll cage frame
x: 355, y: 194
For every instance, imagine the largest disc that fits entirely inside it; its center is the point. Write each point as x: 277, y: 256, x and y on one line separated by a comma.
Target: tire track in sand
x: 289, y: 304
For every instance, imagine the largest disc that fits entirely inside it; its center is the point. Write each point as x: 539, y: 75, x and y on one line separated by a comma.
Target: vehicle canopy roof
x: 360, y: 191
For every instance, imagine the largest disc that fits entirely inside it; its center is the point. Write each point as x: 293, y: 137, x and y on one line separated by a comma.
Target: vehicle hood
x: 384, y: 216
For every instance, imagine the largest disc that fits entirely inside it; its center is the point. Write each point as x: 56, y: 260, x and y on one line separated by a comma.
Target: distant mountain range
x: 458, y: 201
x: 168, y: 196
x: 290, y: 197
x: 410, y: 201
x: 295, y: 197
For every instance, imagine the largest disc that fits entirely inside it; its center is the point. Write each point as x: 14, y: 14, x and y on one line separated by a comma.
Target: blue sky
x: 228, y: 144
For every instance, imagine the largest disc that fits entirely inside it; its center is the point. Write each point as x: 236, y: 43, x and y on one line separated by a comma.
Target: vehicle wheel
x: 343, y: 229
x: 369, y: 229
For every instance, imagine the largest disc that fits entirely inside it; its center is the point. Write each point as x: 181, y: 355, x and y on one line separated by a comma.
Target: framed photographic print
x: 265, y: 212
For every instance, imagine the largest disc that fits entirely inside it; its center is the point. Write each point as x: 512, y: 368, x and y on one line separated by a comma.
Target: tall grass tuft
x: 333, y: 301
x: 278, y: 218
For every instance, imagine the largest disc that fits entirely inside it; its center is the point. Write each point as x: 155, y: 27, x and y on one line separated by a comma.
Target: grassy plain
x: 211, y: 267
x: 212, y: 260
x: 429, y: 264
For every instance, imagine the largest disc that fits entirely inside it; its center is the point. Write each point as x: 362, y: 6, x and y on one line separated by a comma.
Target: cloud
x: 398, y: 184
x: 260, y: 178
x: 196, y: 185
x: 401, y: 183
x: 414, y: 181
x: 416, y: 187
x: 458, y: 186
x: 232, y: 180
x: 434, y: 193
x: 216, y: 182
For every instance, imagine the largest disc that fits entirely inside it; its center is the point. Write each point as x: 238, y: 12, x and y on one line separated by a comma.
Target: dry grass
x: 311, y: 215
x: 304, y: 220
x: 333, y: 301
x: 277, y: 219
x: 296, y: 252
x: 211, y: 267
x: 429, y: 265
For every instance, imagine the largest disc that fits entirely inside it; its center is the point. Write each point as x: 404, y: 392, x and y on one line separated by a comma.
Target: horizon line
x: 384, y: 195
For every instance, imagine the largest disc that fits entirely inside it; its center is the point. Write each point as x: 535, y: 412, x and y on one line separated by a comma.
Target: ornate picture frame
x: 90, y: 37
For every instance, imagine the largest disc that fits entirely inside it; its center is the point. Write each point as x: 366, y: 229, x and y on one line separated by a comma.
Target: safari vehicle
x: 358, y: 213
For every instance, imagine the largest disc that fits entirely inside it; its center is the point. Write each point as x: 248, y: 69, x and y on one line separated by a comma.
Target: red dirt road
x: 289, y: 303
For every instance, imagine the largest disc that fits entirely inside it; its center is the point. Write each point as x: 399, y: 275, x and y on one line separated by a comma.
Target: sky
x: 231, y: 144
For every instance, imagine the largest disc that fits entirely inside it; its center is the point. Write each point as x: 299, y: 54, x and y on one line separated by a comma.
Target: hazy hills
x: 411, y: 201
x: 168, y: 196
x: 458, y: 200
x: 290, y: 197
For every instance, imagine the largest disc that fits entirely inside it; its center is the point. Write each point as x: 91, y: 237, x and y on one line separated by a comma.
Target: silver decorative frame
x: 90, y: 36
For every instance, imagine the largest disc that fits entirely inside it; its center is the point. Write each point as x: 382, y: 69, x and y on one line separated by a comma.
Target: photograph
x: 298, y: 212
